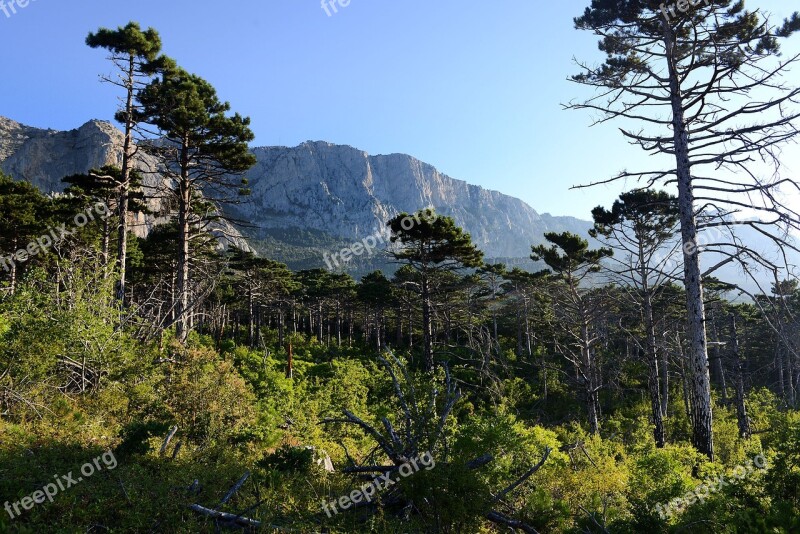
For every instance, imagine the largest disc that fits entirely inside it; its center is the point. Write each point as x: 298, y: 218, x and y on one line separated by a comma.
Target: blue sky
x: 474, y: 88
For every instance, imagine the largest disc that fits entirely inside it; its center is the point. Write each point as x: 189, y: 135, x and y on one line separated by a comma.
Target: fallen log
x: 226, y: 517
x: 500, y: 519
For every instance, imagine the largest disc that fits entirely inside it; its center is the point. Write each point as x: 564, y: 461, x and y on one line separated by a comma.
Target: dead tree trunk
x: 741, y: 409
x: 702, y: 434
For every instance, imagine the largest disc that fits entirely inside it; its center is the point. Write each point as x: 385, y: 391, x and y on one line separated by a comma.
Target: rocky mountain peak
x: 337, y: 192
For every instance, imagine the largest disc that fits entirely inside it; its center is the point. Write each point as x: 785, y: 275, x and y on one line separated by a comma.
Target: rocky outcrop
x: 44, y: 157
x: 348, y: 194
x: 333, y: 190
x: 313, y: 198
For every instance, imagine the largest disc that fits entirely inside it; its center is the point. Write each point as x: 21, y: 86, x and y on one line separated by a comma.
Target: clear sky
x: 473, y: 88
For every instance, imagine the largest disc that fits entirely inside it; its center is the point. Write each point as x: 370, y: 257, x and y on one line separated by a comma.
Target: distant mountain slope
x: 43, y: 157
x: 318, y: 198
x: 305, y: 199
x: 347, y: 194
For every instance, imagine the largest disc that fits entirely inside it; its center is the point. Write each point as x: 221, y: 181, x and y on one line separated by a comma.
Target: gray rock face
x: 313, y: 198
x: 44, y: 157
x: 346, y: 193
x: 335, y: 190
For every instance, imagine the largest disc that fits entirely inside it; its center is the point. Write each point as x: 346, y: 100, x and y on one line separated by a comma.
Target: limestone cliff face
x: 334, y: 190
x: 348, y: 194
x: 313, y: 198
x: 44, y: 157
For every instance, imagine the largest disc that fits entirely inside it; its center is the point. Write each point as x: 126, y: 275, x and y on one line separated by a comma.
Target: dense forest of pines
x: 620, y: 389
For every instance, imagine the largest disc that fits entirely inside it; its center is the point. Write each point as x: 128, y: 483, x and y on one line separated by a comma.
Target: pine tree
x: 106, y: 185
x: 696, y: 76
x: 204, y: 151
x: 570, y: 258
x: 640, y: 226
x: 24, y: 215
x: 135, y: 54
x: 431, y: 244
x: 375, y: 291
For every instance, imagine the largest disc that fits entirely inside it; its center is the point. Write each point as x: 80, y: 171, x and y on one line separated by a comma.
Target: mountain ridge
x: 334, y: 189
x: 339, y: 192
x: 351, y: 194
x: 308, y: 200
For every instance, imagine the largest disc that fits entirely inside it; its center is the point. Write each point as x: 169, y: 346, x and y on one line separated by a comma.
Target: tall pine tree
x: 432, y: 245
x: 701, y: 85
x: 135, y: 54
x: 204, y: 150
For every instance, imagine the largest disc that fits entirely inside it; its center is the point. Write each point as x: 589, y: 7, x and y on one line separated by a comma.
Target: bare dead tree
x: 707, y: 87
x: 421, y: 428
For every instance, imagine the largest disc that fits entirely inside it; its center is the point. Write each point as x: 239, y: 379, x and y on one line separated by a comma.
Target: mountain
x: 305, y: 200
x: 321, y: 190
x: 44, y: 157
x: 318, y: 198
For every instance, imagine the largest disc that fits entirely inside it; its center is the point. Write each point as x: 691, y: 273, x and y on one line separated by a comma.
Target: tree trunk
x: 106, y: 246
x: 281, y: 327
x: 250, y: 316
x: 719, y: 370
x: 427, y: 329
x: 13, y: 266
x: 410, y: 315
x: 702, y: 434
x: 779, y: 364
x: 182, y: 308
x: 664, y: 382
x: 494, y: 331
x: 377, y: 331
x: 320, y: 326
x: 289, y: 361
x: 338, y: 324
x: 589, y: 377
x: 350, y: 325
x: 399, y: 318
x: 652, y: 353
x: 741, y: 409
x: 127, y: 163
x: 653, y: 378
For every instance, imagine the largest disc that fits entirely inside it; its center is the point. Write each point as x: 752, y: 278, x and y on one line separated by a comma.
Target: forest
x: 168, y: 383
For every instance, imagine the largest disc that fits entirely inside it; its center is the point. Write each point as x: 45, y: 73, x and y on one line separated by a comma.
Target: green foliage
x: 433, y: 241
x: 657, y: 477
x: 569, y: 254
x: 81, y: 374
x: 129, y: 41
x: 187, y: 110
x: 207, y: 399
x: 289, y: 459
